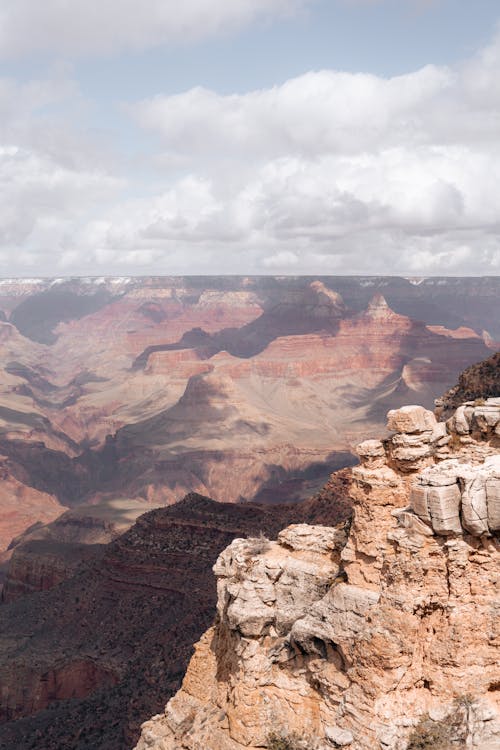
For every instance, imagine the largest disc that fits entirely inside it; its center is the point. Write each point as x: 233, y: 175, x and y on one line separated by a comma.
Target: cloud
x: 328, y: 173
x: 52, y: 174
x: 105, y: 27
x: 348, y: 171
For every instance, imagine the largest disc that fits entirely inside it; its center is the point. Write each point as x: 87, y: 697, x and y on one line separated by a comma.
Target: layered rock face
x: 385, y: 641
x: 85, y: 663
x: 149, y: 388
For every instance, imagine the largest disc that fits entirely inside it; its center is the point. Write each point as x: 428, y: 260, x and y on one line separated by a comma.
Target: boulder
x: 474, y: 507
x: 493, y: 502
x: 419, y: 501
x: 339, y: 737
x: 411, y: 419
x: 303, y: 536
x: 444, y: 508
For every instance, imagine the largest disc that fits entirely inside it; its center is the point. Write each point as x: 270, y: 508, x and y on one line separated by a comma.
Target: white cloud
x: 83, y: 27
x: 329, y: 172
x: 350, y: 171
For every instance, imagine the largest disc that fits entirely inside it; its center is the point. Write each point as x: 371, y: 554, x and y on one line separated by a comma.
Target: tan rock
x: 411, y: 419
x: 493, y: 503
x: 349, y: 647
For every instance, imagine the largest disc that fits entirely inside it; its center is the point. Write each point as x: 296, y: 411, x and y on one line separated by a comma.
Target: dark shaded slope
x: 88, y: 661
x: 481, y: 380
x: 302, y: 311
x: 38, y: 315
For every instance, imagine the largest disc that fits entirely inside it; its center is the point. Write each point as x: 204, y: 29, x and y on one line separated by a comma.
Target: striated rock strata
x: 385, y: 640
x: 85, y: 663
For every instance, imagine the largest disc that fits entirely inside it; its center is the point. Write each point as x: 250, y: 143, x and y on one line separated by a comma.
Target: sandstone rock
x: 371, y: 453
x: 474, y: 505
x: 413, y: 523
x: 272, y: 586
x: 338, y: 616
x: 444, y: 508
x: 461, y: 421
x: 486, y: 417
x: 339, y: 737
x: 419, y: 501
x: 309, y: 538
x: 439, y: 433
x: 493, y: 502
x: 402, y: 625
x: 411, y: 419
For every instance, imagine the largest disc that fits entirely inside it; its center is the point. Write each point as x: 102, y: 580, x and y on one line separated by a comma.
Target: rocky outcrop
x: 479, y: 381
x: 384, y: 641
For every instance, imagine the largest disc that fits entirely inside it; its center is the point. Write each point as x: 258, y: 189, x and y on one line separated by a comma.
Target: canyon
x: 117, y: 392
x: 109, y: 535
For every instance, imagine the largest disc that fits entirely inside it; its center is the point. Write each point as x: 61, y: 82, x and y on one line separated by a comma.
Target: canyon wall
x: 235, y: 387
x: 386, y: 639
x: 87, y: 658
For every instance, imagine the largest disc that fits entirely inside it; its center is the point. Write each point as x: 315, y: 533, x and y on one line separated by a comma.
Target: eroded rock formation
x: 150, y: 388
x: 366, y: 642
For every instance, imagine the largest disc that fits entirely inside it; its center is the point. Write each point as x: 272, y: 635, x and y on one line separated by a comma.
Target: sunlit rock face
x: 362, y: 641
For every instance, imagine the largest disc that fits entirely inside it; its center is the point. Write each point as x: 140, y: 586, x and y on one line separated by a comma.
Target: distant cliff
x: 387, y: 639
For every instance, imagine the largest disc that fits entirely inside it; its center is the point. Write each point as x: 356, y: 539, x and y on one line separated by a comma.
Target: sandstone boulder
x: 493, y: 502
x: 474, y: 505
x: 411, y: 419
x: 371, y: 453
x: 303, y: 536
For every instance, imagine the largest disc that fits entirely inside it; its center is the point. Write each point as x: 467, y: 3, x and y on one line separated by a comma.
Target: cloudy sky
x: 249, y: 136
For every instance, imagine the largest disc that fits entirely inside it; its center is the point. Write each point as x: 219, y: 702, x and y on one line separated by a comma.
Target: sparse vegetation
x: 284, y: 741
x: 257, y: 545
x: 449, y: 733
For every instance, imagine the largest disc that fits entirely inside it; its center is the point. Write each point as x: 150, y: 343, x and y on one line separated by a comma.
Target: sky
x: 249, y: 137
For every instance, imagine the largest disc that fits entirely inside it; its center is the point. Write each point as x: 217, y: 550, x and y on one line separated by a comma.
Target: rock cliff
x: 387, y: 639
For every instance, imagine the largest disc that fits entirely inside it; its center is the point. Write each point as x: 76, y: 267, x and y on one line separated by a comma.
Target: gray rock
x: 339, y: 737
x: 444, y: 507
x: 419, y: 501
x: 493, y: 502
x: 474, y: 507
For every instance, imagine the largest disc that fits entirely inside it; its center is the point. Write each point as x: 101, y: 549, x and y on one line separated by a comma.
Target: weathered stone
x: 339, y: 737
x: 335, y: 617
x: 493, y: 502
x: 273, y: 585
x: 486, y: 417
x: 413, y: 440
x: 344, y: 654
x: 312, y: 538
x: 442, y: 475
x: 413, y: 523
x: 474, y: 507
x: 419, y: 501
x: 444, y: 508
x: 411, y: 419
x: 461, y: 420
x: 410, y: 455
x: 439, y: 432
